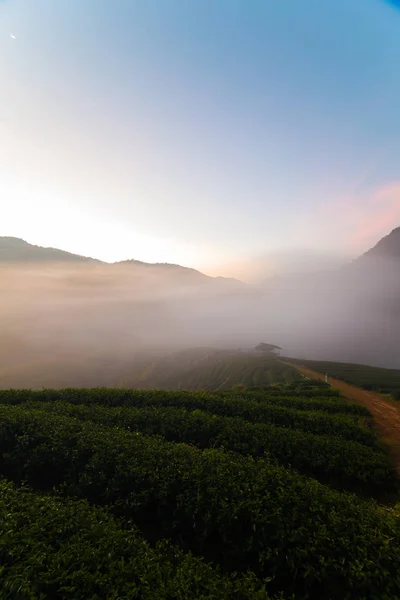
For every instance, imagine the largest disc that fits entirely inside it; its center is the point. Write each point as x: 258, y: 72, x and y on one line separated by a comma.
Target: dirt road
x: 386, y: 415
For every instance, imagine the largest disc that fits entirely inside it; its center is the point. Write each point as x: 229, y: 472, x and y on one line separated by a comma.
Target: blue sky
x: 217, y: 134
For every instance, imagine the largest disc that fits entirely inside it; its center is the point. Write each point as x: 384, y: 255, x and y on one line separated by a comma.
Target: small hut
x: 270, y: 349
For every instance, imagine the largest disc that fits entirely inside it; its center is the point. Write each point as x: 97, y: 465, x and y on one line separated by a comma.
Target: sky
x: 236, y: 136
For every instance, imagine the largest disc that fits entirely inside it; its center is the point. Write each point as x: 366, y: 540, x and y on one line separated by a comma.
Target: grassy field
x: 253, y: 493
x: 385, y: 381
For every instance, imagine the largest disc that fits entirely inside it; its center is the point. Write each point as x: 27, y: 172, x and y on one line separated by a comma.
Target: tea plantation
x: 281, y: 492
x: 384, y: 381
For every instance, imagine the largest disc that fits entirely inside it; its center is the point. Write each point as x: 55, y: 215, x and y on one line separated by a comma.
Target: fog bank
x: 73, y: 321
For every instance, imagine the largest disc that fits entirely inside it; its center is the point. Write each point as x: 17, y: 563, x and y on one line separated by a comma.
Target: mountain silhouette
x: 15, y: 250
x: 387, y: 248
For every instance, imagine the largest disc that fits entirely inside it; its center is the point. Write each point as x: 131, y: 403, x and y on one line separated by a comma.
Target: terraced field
x: 281, y: 492
x: 385, y: 381
x: 189, y: 369
x: 209, y: 369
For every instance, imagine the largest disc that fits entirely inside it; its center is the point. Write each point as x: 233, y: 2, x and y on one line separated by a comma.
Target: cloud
x: 378, y: 217
x: 354, y: 222
x: 375, y: 217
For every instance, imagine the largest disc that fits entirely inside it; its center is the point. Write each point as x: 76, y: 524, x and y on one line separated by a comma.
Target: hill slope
x: 210, y: 369
x: 387, y: 247
x: 16, y: 250
x: 192, y: 369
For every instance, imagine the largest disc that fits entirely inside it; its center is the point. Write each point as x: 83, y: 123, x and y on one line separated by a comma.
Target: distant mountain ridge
x: 16, y: 250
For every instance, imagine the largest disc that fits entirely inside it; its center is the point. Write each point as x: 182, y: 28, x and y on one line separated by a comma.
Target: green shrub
x: 240, y: 512
x: 343, y: 425
x: 65, y: 549
x: 320, y: 403
x: 331, y: 459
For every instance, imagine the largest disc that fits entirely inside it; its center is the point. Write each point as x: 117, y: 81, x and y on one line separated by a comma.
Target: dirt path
x: 386, y: 415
